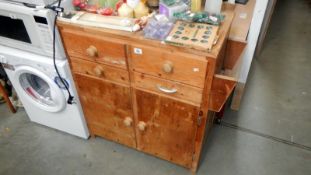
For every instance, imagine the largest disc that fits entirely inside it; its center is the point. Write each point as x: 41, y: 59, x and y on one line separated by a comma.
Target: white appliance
x: 35, y: 2
x: 30, y: 29
x: 41, y: 92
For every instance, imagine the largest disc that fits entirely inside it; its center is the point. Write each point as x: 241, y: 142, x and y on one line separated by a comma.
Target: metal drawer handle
x: 166, y: 90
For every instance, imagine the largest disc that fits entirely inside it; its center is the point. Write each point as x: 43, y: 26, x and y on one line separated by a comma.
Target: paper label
x: 138, y: 51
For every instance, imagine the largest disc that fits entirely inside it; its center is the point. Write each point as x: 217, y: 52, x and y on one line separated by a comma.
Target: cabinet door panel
x: 170, y: 127
x: 106, y: 106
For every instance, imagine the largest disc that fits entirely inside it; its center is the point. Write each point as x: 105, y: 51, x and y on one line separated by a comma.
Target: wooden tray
x: 194, y: 35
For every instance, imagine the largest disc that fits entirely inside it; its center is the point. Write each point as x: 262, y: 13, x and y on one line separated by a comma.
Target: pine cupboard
x: 156, y: 98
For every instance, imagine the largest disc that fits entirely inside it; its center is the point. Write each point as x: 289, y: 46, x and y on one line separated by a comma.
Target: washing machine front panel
x: 39, y: 89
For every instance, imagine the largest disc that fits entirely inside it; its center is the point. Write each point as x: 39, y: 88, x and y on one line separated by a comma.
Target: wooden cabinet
x: 150, y: 96
x: 108, y: 109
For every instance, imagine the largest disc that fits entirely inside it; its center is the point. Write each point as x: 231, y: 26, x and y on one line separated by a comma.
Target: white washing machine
x: 39, y: 88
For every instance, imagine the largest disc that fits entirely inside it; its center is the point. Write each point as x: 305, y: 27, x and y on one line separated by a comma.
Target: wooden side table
x: 5, y: 95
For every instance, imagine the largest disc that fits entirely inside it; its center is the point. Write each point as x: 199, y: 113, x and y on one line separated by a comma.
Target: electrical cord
x: 57, y: 10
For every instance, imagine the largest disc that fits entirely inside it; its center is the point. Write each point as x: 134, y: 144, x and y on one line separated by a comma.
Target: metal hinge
x: 199, y: 120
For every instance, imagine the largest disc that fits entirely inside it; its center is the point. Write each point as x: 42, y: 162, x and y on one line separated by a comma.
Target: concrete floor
x: 269, y: 135
x: 278, y: 97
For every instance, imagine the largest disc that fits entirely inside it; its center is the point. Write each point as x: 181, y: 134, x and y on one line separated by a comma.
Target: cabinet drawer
x: 170, y: 88
x: 99, y: 70
x: 167, y: 65
x: 94, y: 48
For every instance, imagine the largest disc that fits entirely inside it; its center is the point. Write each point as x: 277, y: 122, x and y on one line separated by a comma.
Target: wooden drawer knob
x: 99, y: 71
x: 141, y: 126
x: 92, y: 51
x: 168, y: 67
x: 128, y: 121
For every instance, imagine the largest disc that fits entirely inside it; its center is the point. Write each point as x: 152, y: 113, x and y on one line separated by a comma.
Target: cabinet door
x: 107, y: 108
x: 166, y: 128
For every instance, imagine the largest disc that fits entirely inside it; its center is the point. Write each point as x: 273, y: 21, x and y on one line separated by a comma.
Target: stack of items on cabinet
x: 157, y: 18
x: 38, y: 69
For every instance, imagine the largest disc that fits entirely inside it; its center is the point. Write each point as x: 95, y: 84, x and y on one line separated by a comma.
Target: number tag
x: 138, y: 51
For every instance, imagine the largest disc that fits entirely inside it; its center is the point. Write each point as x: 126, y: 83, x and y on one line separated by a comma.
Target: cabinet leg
x: 92, y: 136
x: 220, y: 115
x: 193, y: 171
x: 194, y: 168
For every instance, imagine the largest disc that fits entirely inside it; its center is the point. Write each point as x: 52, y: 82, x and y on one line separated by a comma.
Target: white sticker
x: 138, y: 51
x: 243, y: 15
x: 196, y: 69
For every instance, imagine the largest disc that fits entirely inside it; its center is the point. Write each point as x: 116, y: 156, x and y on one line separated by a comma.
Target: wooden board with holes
x: 193, y: 35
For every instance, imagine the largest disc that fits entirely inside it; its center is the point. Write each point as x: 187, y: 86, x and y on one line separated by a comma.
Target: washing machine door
x: 39, y: 89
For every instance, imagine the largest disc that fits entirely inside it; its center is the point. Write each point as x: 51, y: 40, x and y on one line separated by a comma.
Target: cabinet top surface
x: 137, y: 38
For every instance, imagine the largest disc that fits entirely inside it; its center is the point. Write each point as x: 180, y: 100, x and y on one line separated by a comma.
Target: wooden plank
x: 221, y: 89
x: 265, y: 26
x: 242, y: 21
x: 234, y: 51
x: 252, y: 39
x: 237, y: 96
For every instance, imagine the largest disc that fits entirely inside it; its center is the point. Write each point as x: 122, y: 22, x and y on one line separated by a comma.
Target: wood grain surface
x: 184, y: 92
x: 77, y: 43
x: 170, y: 130
x: 188, y: 70
x: 100, y: 70
x: 106, y: 105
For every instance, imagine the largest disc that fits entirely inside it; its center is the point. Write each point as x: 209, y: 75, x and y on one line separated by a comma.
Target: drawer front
x: 172, y: 66
x: 99, y: 70
x: 170, y: 88
x: 93, y: 48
